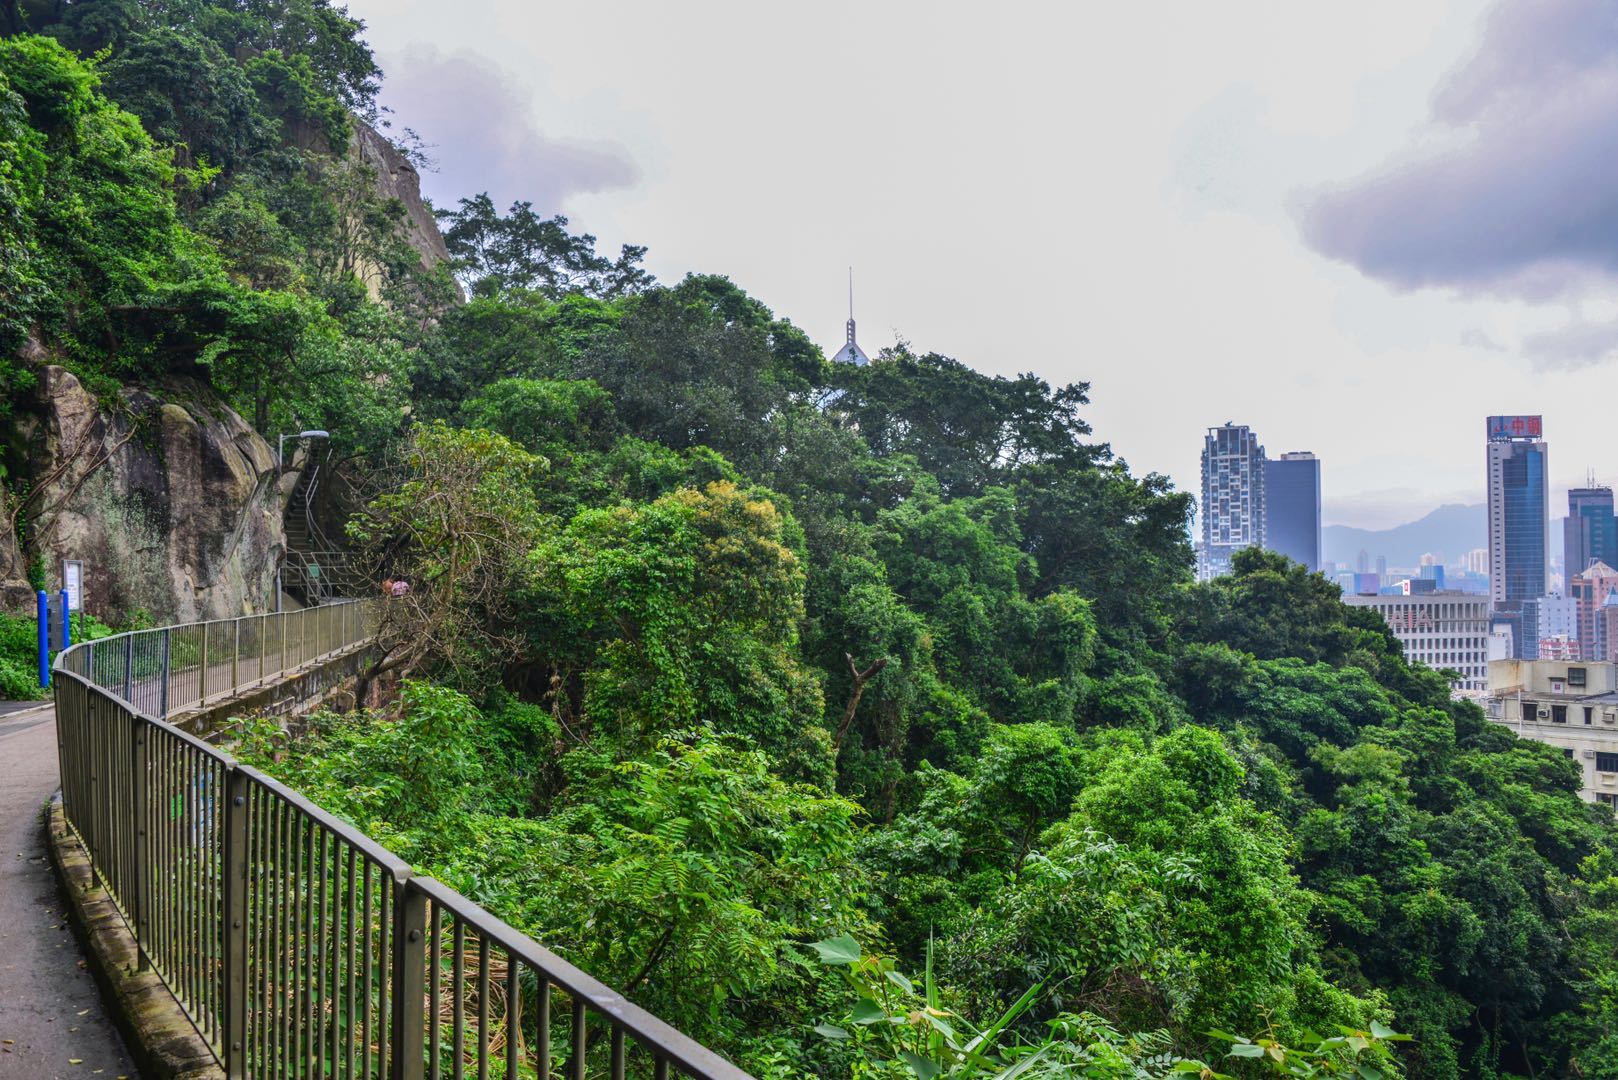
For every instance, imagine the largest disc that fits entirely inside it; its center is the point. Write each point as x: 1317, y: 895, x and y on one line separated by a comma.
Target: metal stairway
x: 315, y: 571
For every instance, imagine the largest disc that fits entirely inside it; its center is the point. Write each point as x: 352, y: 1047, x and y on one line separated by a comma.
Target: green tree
x: 523, y: 252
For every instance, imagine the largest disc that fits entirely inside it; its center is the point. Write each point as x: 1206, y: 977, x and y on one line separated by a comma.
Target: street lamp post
x: 281, y: 444
x: 280, y: 466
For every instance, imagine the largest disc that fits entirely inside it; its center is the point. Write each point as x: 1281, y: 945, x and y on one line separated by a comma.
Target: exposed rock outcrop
x: 171, y: 500
x: 397, y: 178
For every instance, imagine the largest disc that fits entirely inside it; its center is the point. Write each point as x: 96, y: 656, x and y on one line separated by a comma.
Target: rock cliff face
x: 396, y: 178
x: 171, y: 500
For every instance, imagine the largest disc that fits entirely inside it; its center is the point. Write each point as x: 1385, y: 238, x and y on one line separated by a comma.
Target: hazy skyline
x: 1359, y: 230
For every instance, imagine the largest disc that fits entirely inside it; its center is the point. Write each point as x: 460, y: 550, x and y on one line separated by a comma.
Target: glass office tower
x: 1590, y: 533
x: 1519, y: 515
x: 1292, y: 507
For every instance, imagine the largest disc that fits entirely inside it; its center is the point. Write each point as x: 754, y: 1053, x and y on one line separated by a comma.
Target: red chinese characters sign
x: 1516, y: 427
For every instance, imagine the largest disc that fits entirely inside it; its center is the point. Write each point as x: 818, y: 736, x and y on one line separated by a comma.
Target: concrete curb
x: 164, y: 1042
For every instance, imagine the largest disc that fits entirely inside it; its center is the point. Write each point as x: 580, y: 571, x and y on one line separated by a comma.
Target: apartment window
x: 1606, y: 798
x: 1567, y: 751
x: 1589, y: 715
x: 1559, y: 716
x: 1606, y: 762
x: 1575, y: 676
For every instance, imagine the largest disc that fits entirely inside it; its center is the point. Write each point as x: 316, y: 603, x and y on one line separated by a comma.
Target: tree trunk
x: 860, y: 679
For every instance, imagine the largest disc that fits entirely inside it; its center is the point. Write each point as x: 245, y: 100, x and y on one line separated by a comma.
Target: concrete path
x: 52, y: 1024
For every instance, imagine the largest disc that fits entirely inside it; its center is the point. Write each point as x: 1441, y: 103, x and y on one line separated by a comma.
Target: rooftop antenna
x: 851, y: 305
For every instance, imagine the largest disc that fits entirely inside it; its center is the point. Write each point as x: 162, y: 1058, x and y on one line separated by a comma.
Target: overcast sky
x: 1358, y: 228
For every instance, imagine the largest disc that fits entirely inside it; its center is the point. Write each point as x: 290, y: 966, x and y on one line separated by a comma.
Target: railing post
x: 409, y: 965
x: 283, y: 644
x: 235, y: 928
x: 42, y: 605
x: 202, y: 678
x: 263, y: 645
x: 129, y: 665
x: 138, y: 895
x: 163, y: 690
x: 236, y: 655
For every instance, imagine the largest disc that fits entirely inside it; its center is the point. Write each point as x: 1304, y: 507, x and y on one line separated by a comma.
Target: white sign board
x: 73, y: 583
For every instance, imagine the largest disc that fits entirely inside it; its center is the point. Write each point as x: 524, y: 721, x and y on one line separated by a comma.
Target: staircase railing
x: 314, y: 569
x: 296, y: 944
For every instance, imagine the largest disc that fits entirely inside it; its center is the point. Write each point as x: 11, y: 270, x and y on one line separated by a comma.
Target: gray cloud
x: 482, y: 134
x: 1514, y: 189
x: 1579, y: 344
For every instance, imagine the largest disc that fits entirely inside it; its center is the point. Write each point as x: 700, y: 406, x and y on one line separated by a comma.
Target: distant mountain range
x: 1451, y: 531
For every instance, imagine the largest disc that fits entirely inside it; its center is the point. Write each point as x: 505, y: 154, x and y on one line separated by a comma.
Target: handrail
x: 296, y: 944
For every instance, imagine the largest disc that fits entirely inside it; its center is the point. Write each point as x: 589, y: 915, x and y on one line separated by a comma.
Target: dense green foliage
x: 19, y: 653
x: 717, y: 651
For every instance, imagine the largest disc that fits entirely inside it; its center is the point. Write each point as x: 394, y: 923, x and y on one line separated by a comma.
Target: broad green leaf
x: 938, y: 1024
x: 901, y: 981
x: 838, y: 950
x: 1246, y: 1050
x: 868, y: 1012
x: 924, y: 1069
x: 831, y: 1031
x: 1382, y: 1031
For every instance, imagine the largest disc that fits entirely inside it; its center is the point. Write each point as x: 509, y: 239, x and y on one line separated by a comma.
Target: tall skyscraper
x: 1292, y: 507
x: 1590, y: 531
x: 1232, y: 497
x: 1519, y: 515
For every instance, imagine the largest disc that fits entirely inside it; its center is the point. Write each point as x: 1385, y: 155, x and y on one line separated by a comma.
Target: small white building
x: 1572, y: 705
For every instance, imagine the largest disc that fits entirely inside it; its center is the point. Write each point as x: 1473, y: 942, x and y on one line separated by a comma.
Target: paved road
x: 52, y: 1024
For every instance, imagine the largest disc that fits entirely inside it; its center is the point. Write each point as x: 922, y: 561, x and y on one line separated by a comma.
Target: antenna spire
x: 850, y: 294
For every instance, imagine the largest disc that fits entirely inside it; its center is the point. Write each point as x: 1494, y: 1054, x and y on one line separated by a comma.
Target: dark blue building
x: 1590, y: 533
x: 1292, y: 507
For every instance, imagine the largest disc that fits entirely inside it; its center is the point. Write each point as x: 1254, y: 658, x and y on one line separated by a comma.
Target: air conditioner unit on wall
x: 1542, y: 712
x: 1589, y: 753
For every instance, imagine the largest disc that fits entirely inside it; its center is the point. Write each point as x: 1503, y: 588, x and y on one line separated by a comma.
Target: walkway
x: 52, y: 1024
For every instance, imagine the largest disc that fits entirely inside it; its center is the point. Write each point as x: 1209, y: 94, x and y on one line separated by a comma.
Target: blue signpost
x: 44, y: 611
x: 67, y: 623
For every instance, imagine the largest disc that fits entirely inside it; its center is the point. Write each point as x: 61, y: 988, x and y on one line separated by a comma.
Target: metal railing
x: 298, y: 946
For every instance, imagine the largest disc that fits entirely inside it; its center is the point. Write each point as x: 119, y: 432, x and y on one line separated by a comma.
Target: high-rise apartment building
x: 1292, y: 507
x: 1590, y: 531
x: 1233, y: 483
x: 1519, y: 515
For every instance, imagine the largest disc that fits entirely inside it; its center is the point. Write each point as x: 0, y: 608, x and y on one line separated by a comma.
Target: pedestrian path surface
x: 52, y: 1022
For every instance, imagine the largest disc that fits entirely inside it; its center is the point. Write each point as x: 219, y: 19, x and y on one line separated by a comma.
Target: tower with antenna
x: 851, y: 353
